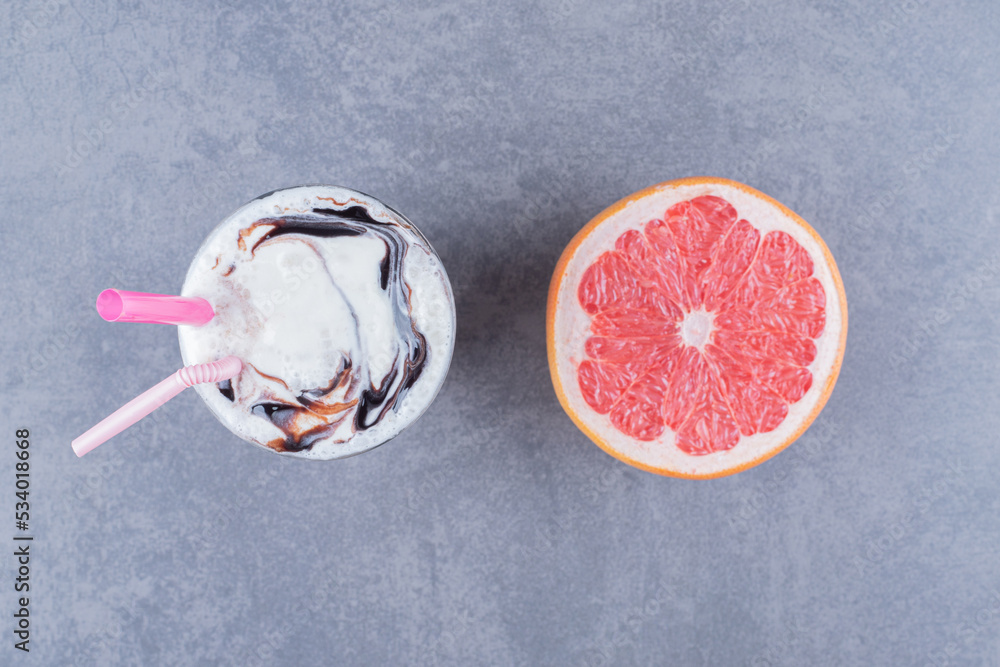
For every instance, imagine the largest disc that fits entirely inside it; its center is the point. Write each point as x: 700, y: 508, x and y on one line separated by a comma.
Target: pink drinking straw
x: 146, y: 402
x: 121, y: 306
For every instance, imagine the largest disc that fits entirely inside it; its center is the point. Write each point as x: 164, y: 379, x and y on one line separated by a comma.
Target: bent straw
x: 144, y: 403
x: 121, y: 306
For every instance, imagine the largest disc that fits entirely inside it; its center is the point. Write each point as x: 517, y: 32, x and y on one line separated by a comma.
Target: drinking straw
x: 146, y: 402
x: 121, y: 306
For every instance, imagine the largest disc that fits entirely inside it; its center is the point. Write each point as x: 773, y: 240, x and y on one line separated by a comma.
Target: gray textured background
x: 493, y: 532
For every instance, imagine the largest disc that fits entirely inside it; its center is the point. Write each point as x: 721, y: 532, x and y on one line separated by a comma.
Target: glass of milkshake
x: 340, y: 311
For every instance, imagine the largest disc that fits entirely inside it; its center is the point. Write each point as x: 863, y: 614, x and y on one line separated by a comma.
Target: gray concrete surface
x: 493, y: 532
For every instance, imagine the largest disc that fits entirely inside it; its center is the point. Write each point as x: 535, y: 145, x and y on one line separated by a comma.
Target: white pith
x: 697, y: 327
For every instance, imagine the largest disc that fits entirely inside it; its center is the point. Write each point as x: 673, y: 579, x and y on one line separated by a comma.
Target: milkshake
x: 340, y: 311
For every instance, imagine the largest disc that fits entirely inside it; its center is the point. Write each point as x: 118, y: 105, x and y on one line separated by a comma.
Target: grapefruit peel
x: 695, y: 328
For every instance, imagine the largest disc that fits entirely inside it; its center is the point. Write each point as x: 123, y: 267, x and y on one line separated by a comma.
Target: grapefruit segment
x: 782, y: 261
x: 755, y: 407
x: 697, y: 227
x: 639, y: 353
x: 602, y: 384
x: 638, y: 413
x: 608, y: 282
x: 632, y: 323
x: 789, y: 382
x: 793, y: 349
x: 696, y: 328
x: 611, y: 283
x: 710, y: 427
x: 734, y: 258
x: 797, y: 309
x: 687, y: 381
x: 661, y: 261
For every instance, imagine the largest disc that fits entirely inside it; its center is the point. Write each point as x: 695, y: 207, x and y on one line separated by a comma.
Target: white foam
x: 298, y: 306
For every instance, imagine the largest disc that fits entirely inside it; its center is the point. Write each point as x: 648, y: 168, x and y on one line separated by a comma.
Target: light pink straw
x: 144, y: 403
x: 121, y: 306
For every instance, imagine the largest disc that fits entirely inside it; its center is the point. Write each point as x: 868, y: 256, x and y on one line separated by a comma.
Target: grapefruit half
x: 695, y: 328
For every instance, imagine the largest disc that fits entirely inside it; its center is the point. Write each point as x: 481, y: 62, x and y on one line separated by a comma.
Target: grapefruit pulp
x: 695, y: 328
